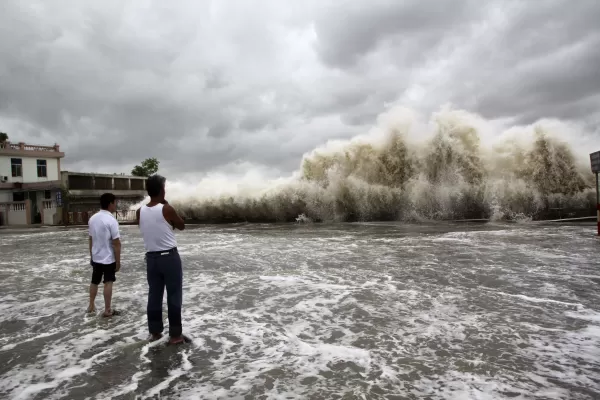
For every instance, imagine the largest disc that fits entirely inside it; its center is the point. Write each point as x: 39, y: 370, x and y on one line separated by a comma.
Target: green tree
x: 148, y: 167
x: 3, y: 137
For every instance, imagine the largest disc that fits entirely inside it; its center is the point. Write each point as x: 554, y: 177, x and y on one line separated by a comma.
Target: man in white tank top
x: 157, y: 221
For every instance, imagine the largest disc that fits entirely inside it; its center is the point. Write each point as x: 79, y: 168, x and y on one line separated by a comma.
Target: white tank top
x: 158, y: 234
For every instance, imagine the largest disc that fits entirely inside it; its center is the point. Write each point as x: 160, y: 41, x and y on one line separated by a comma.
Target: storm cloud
x: 207, y: 85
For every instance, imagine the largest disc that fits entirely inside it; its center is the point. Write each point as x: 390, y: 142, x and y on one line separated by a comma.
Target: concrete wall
x: 5, y: 167
x: 19, y: 213
x: 50, y: 213
x: 16, y: 213
x: 39, y: 195
x: 6, y: 196
x: 30, y: 169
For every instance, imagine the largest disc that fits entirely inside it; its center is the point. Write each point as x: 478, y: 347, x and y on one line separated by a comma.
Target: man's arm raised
x: 171, y: 216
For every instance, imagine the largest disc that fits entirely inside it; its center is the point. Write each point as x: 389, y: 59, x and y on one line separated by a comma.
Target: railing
x: 15, y: 213
x: 126, y: 215
x: 28, y: 147
x: 48, y: 204
x: 102, y: 182
x: 76, y: 218
x: 40, y: 148
x: 562, y: 213
x: 121, y: 215
x: 15, y: 205
x: 18, y: 206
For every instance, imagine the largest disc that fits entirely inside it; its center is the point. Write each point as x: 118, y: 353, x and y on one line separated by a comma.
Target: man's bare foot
x: 155, y: 336
x: 91, y: 310
x: 177, y: 340
x: 110, y: 313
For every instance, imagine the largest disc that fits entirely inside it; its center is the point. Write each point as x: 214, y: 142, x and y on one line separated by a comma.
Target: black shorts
x: 108, y: 270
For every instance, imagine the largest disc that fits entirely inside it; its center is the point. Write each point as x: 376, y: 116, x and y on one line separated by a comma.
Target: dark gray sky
x: 222, y: 85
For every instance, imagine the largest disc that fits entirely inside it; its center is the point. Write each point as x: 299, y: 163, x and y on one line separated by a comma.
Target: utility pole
x: 595, y: 161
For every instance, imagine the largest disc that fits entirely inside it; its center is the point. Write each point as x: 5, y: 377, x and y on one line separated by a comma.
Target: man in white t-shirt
x: 105, y: 251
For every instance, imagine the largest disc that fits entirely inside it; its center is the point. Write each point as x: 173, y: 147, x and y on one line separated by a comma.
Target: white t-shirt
x: 103, y: 228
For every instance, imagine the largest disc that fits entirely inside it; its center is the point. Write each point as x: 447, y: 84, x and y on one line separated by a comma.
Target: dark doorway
x: 36, y: 214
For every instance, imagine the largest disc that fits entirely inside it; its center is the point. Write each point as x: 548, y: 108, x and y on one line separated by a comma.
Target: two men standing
x: 157, y: 221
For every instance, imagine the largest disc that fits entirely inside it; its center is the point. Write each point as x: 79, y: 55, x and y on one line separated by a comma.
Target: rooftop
x: 103, y: 175
x: 30, y: 150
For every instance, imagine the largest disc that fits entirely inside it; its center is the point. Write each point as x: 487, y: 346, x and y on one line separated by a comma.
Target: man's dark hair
x: 107, y: 199
x: 154, y: 184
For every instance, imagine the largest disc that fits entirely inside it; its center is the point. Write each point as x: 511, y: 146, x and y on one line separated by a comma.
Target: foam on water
x: 450, y: 165
x: 329, y: 312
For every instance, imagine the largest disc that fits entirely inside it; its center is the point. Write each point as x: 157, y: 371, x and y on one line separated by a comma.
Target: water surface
x: 350, y: 311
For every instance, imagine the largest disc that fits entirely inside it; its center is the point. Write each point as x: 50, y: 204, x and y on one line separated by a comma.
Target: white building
x: 30, y: 183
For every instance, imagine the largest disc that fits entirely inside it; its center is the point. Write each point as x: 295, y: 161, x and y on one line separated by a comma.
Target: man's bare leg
x: 93, y: 293
x: 107, y: 298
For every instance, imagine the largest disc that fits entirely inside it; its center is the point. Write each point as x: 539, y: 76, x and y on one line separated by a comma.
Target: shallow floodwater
x: 351, y: 311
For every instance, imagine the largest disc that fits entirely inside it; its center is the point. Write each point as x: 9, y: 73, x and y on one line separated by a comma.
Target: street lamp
x: 595, y: 161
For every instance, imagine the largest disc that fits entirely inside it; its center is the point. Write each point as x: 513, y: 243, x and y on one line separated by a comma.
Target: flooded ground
x: 349, y: 311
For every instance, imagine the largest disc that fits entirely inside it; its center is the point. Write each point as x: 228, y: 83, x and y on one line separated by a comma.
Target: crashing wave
x: 406, y: 170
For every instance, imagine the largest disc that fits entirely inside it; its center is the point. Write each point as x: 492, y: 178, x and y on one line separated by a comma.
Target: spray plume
x: 454, y: 167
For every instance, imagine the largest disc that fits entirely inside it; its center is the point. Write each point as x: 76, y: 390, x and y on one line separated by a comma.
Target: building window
x: 41, y: 169
x: 47, y: 195
x: 18, y: 196
x: 16, y: 166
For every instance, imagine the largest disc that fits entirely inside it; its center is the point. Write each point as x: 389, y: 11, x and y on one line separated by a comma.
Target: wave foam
x: 456, y: 165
